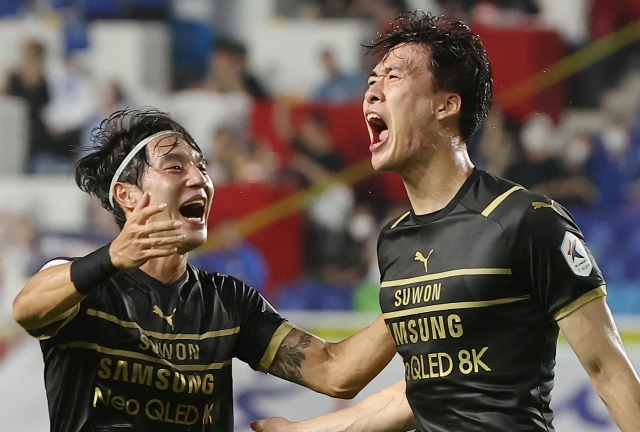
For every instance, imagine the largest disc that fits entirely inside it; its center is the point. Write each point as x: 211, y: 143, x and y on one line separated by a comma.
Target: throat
x: 166, y: 269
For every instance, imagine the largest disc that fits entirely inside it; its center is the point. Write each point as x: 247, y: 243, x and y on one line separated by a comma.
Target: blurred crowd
x: 595, y: 172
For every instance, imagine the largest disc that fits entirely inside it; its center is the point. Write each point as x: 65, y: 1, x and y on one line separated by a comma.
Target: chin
x: 192, y: 242
x: 381, y: 165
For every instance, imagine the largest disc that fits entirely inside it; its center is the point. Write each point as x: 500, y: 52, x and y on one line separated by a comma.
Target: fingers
x: 142, y: 213
x: 257, y: 425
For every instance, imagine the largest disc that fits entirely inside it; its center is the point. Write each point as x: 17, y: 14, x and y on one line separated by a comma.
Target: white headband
x: 131, y: 155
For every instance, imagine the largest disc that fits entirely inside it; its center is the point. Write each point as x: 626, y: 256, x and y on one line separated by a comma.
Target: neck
x: 434, y: 182
x: 166, y: 269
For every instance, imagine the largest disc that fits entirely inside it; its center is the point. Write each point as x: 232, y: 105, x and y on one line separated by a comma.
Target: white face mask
x: 361, y: 226
x: 577, y: 151
x: 537, y: 133
x: 615, y: 139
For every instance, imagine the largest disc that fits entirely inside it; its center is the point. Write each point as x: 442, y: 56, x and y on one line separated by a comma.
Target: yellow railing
x: 524, y: 89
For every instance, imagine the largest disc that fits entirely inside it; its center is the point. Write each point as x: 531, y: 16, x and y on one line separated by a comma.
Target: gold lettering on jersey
x: 167, y: 318
x: 425, y: 260
x: 417, y: 294
x: 441, y: 364
x: 167, y: 350
x: 426, y: 328
x: 154, y: 409
x: 436, y: 365
x: 131, y: 406
x: 182, y: 414
x: 206, y: 416
x: 138, y: 373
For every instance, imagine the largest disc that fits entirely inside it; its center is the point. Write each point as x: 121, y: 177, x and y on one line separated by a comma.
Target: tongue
x: 383, y: 135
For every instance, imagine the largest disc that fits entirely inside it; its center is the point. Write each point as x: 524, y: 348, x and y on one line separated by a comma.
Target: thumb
x: 257, y: 425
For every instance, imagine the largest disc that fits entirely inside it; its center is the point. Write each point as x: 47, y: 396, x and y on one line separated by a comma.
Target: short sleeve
x: 261, y: 332
x: 553, y: 260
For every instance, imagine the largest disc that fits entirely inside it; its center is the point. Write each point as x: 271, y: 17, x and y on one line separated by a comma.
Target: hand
x: 141, y: 240
x: 274, y: 424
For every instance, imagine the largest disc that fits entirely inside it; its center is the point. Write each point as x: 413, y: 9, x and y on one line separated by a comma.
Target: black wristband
x: 90, y: 271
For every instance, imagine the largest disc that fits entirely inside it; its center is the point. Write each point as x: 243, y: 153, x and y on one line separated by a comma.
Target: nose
x: 196, y: 177
x: 374, y: 93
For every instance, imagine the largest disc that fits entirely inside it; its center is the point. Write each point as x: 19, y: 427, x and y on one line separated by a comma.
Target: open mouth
x: 193, y: 210
x: 378, y: 127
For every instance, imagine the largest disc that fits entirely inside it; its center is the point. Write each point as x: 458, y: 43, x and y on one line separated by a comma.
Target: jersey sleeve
x: 261, y: 332
x: 553, y: 260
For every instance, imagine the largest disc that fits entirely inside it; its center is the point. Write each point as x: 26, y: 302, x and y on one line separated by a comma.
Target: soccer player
x: 480, y: 275
x: 136, y: 339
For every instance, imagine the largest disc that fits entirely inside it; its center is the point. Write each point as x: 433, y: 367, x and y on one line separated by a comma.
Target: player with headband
x: 134, y: 337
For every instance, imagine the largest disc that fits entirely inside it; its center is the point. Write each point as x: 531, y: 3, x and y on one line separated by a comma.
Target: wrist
x: 88, y: 272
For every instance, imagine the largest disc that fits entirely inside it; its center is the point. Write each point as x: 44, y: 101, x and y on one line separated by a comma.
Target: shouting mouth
x: 379, y: 130
x: 193, y: 210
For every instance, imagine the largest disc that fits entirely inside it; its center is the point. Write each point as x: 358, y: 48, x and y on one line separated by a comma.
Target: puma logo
x: 421, y: 258
x: 167, y: 318
x: 539, y: 204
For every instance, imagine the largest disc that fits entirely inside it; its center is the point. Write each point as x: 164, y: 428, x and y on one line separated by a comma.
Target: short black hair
x: 459, y: 61
x: 116, y: 136
x: 229, y: 45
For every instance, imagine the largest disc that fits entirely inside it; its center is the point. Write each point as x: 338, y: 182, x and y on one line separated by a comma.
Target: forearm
x: 385, y: 411
x: 355, y: 361
x: 48, y: 295
x: 52, y: 292
x: 619, y: 388
x: 335, y: 369
x: 593, y: 335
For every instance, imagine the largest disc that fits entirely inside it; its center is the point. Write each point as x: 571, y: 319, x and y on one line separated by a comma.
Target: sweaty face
x: 177, y: 175
x: 399, y: 108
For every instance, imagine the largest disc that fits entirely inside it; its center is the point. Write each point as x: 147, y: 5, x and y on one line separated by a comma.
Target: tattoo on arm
x: 288, y: 360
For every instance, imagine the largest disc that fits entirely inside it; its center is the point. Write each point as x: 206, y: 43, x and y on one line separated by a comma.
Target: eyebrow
x: 386, y: 69
x: 170, y: 155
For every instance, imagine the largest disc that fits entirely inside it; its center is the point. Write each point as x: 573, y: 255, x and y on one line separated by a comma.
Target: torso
x: 142, y: 355
x: 474, y: 325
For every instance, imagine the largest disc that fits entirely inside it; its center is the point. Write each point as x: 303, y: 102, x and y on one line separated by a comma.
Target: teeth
x: 200, y: 201
x: 372, y: 116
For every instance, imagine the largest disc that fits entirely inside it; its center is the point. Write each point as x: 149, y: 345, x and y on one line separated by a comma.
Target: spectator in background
x: 237, y: 159
x: 494, y: 150
x: 110, y: 97
x: 542, y: 171
x: 29, y: 82
x: 578, y: 190
x: 235, y: 256
x: 339, y: 87
x: 229, y: 72
x: 314, y: 162
x: 614, y: 165
x: 72, y: 105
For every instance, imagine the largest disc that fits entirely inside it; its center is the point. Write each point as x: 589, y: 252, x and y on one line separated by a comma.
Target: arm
x: 336, y: 369
x: 50, y: 295
x: 594, y: 337
x: 385, y: 411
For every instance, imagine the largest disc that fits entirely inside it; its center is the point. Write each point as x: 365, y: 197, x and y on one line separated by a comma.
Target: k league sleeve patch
x: 576, y: 255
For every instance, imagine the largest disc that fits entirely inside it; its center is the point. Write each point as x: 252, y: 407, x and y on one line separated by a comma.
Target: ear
x: 126, y: 195
x: 450, y: 105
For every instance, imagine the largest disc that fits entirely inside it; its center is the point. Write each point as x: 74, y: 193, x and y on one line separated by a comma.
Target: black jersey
x: 140, y: 355
x: 471, y: 295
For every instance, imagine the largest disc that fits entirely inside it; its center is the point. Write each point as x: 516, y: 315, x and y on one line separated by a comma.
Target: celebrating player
x: 136, y: 339
x: 480, y: 275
